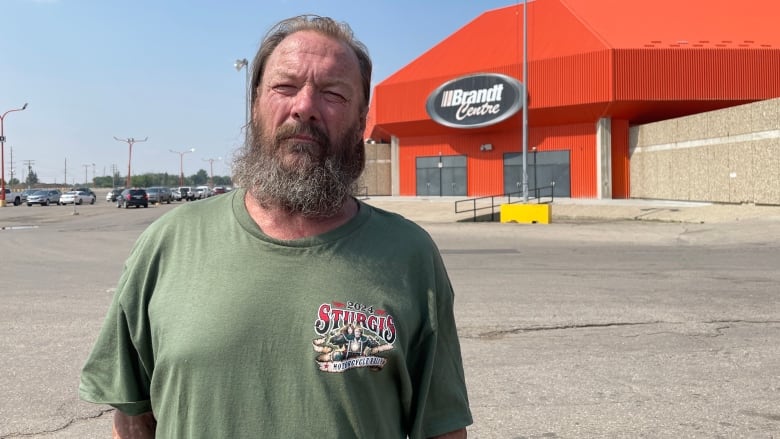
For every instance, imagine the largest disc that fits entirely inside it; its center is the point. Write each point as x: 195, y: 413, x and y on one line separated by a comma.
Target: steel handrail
x: 506, y: 196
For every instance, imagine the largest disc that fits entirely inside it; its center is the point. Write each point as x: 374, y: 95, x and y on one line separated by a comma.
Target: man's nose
x: 305, y: 105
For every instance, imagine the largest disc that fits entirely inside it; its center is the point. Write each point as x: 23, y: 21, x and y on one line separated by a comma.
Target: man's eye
x: 333, y: 96
x: 285, y: 89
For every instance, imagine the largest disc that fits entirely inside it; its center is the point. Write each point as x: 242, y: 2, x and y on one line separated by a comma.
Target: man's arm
x: 134, y: 427
x: 457, y: 434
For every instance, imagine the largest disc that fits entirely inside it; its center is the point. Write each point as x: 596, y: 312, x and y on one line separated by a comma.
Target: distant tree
x: 144, y: 180
x: 14, y: 182
x: 200, y: 178
x: 169, y: 180
x: 32, y: 179
x: 163, y: 179
x: 105, y: 181
x: 222, y: 181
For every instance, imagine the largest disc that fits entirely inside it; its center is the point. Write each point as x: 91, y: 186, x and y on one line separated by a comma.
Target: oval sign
x: 474, y: 101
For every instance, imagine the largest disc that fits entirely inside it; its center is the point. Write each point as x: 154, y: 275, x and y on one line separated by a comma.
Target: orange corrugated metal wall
x: 485, y: 168
x: 580, y: 140
x: 700, y: 74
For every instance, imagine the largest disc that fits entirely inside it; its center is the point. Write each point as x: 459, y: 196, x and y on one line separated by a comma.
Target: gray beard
x: 315, y: 187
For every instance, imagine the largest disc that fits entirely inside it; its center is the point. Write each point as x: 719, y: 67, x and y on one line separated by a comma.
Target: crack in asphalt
x: 61, y: 428
x: 719, y: 329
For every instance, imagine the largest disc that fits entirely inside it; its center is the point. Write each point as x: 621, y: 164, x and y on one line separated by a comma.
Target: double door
x: 441, y: 176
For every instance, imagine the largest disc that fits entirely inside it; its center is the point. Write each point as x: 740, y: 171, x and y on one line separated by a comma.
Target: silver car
x: 159, y: 194
x: 77, y: 197
x: 44, y: 197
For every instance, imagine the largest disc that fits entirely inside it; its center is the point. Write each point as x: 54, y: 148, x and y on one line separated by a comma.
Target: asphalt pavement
x: 620, y: 319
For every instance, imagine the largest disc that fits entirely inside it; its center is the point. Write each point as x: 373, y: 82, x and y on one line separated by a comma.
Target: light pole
x: 181, y: 163
x: 244, y: 64
x: 211, y: 168
x: 525, y: 101
x: 536, y: 188
x: 2, y: 154
x: 130, y: 141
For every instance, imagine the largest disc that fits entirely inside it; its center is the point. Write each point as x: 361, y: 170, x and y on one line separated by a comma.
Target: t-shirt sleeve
x: 118, y: 370
x: 446, y: 403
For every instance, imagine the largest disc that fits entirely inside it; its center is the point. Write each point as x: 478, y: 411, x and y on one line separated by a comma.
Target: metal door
x: 543, y: 167
x: 441, y: 176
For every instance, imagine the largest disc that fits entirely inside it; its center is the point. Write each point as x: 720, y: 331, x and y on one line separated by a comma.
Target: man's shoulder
x: 395, y: 224
x: 389, y: 218
x: 199, y: 213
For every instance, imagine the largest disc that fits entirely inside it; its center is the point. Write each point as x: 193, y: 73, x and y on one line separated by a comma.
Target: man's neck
x: 280, y: 224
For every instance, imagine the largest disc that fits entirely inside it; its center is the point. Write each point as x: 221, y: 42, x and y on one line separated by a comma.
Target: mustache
x: 290, y: 130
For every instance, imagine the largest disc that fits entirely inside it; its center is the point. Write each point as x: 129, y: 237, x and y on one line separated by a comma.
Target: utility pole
x: 29, y: 164
x: 12, y: 163
x: 86, y: 178
x: 113, y: 175
x: 66, y: 171
x: 211, y: 166
x: 130, y: 141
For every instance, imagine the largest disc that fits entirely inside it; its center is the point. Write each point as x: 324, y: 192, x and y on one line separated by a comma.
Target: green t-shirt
x: 224, y: 332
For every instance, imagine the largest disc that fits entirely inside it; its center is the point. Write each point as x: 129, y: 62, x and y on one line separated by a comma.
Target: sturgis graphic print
x: 350, y: 335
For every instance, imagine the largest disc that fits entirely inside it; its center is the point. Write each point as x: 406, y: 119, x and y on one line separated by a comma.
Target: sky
x: 163, y: 70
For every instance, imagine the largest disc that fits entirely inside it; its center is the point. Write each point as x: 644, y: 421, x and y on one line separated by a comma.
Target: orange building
x: 594, y: 68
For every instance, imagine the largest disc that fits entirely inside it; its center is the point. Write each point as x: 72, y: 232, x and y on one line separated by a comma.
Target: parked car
x: 158, y: 194
x: 202, y: 192
x: 112, y: 195
x: 14, y: 198
x: 133, y: 197
x: 219, y: 190
x: 85, y: 189
x: 44, y: 197
x: 186, y: 193
x: 78, y: 197
x: 26, y: 193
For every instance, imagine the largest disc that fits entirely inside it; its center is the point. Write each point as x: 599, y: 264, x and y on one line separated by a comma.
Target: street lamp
x: 181, y: 163
x: 211, y: 166
x: 244, y: 64
x: 536, y: 188
x: 130, y: 141
x: 2, y: 154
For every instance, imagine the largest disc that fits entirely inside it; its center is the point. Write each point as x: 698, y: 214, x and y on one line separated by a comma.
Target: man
x: 237, y: 351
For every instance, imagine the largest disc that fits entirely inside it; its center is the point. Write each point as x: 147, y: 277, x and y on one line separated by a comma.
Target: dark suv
x: 133, y: 197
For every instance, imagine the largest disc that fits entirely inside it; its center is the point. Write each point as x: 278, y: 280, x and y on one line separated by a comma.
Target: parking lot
x: 577, y: 329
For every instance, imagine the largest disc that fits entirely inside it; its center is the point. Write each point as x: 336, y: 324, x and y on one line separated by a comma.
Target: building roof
x: 638, y: 60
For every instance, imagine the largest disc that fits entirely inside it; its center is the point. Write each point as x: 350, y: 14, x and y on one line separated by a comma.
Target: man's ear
x: 363, y: 119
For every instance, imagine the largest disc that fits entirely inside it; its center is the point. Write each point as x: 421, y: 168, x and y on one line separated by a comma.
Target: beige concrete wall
x: 726, y: 156
x: 376, y: 178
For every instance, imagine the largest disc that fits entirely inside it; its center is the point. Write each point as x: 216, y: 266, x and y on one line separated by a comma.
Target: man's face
x: 308, y: 120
